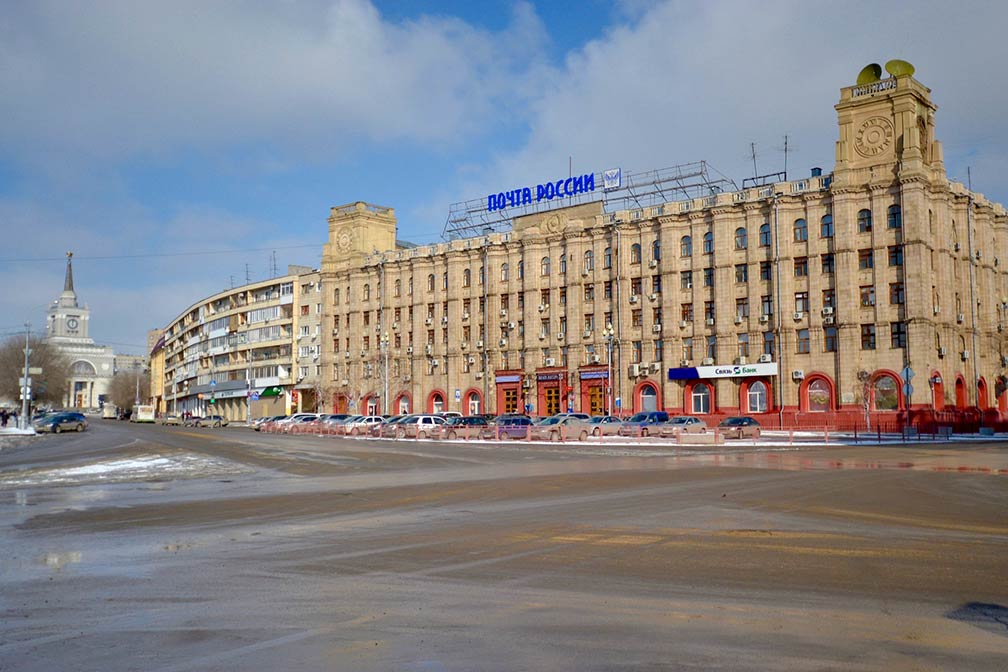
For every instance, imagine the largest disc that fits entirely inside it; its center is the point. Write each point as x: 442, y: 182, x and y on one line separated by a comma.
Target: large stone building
x: 806, y: 302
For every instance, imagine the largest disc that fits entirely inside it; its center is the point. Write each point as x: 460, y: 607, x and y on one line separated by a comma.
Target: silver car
x: 605, y: 425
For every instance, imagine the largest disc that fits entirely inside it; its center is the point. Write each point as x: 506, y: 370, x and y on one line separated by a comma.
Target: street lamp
x: 385, y: 348
x: 609, y: 333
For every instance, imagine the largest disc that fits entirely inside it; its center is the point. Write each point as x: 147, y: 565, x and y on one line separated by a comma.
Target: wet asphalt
x: 231, y: 550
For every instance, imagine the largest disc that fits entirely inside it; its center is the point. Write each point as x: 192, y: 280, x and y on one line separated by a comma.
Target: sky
x: 178, y: 147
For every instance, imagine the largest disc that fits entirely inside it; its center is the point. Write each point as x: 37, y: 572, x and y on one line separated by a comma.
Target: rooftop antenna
x: 247, y: 278
x: 273, y: 267
x: 752, y: 152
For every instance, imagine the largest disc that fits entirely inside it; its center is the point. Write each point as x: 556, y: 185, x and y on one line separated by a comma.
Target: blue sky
x: 140, y: 135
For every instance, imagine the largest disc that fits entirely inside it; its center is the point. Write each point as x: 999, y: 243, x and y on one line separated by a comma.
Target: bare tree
x: 123, y: 388
x: 48, y: 387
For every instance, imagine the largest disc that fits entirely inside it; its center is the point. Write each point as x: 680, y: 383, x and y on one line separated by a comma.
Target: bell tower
x: 66, y: 319
x: 886, y: 129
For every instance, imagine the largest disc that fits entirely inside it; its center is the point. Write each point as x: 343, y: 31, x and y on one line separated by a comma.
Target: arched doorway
x: 647, y: 395
x: 817, y: 395
x: 754, y: 396
x: 473, y: 403
x: 699, y: 398
x: 402, y: 404
x: 982, y: 401
x: 370, y: 405
x: 937, y: 391
x: 960, y: 392
x: 436, y: 402
x: 885, y: 393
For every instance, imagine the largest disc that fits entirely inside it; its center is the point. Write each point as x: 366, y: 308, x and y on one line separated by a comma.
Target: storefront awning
x: 271, y: 391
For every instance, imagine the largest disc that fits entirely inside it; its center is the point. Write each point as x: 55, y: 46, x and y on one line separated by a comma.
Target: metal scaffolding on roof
x: 687, y: 181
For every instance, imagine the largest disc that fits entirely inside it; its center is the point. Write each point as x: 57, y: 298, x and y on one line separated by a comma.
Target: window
x: 741, y: 272
x: 687, y: 348
x: 768, y: 343
x: 865, y: 259
x: 829, y: 339
x: 895, y: 255
x: 607, y: 258
x: 828, y: 263
x: 708, y: 310
x: 826, y: 226
x: 637, y: 318
x: 482, y: 275
x: 589, y: 261
x: 829, y: 298
x: 686, y: 246
x: 544, y: 266
x: 635, y: 286
x: 708, y: 277
x: 430, y: 282
x: 801, y: 267
x: 897, y: 334
x: 563, y: 264
x: 656, y: 250
x: 589, y: 293
x: 764, y: 234
x: 635, y: 253
x: 896, y: 293
x: 444, y: 281
x: 686, y: 312
x: 686, y: 279
x: 757, y: 397
x: 638, y: 351
x: 801, y: 304
x: 867, y: 296
x: 894, y: 217
x: 800, y: 230
x: 741, y: 238
x: 505, y: 272
x: 607, y: 290
x: 766, y: 305
x: 467, y: 278
x: 864, y: 221
x: 742, y: 307
x: 708, y: 242
x: 765, y: 270
x: 409, y: 288
x: 521, y: 269
x: 656, y: 284
x: 803, y: 341
x: 712, y: 347
x: 701, y: 398
x: 397, y: 288
x: 885, y: 394
x: 818, y: 396
x: 867, y: 336
x: 743, y: 345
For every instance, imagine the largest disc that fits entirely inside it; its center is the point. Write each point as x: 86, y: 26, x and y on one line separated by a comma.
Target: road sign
x: 907, y: 389
x: 255, y: 396
x: 907, y: 373
x: 22, y: 383
x: 618, y: 402
x: 458, y: 394
x: 32, y: 370
x: 213, y: 383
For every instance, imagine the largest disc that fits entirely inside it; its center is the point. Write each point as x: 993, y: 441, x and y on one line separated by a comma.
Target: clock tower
x: 67, y: 320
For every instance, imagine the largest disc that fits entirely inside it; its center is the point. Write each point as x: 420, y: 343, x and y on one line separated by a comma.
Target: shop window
x: 757, y: 397
x: 818, y: 396
x: 700, y: 398
x: 885, y: 394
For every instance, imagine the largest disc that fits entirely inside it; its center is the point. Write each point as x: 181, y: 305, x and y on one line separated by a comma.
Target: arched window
x: 404, y: 404
x: 741, y: 238
x: 800, y: 230
x: 430, y: 282
x: 367, y: 291
x: 648, y: 398
x: 826, y: 226
x: 686, y: 246
x: 960, y: 392
x: 819, y: 396
x: 505, y: 272
x: 482, y: 275
x: 409, y: 287
x: 473, y: 403
x: 398, y: 287
x: 544, y: 266
x: 589, y: 260
x: 466, y: 278
x: 708, y: 242
x: 757, y: 397
x: 444, y: 280
x: 764, y: 234
x: 656, y: 250
x: 635, y: 255
x: 885, y: 395
x: 864, y: 221
x: 437, y: 403
x: 982, y: 400
x: 894, y: 219
x: 563, y: 264
x: 521, y: 269
x: 700, y: 398
x: 607, y: 258
x: 82, y: 368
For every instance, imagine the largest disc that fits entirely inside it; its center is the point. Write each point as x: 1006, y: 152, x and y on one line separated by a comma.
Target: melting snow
x: 137, y: 468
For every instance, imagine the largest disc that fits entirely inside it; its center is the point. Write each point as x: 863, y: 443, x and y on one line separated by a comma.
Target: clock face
x: 72, y: 323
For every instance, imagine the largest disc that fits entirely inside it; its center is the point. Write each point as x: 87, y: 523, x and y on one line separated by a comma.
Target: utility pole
x: 25, y: 388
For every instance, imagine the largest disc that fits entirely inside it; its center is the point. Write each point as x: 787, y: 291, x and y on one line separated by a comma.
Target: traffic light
x: 213, y: 399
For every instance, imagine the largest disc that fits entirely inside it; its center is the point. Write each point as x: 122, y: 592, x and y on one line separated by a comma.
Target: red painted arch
x: 398, y: 399
x: 803, y: 400
x: 688, y: 395
x: 465, y: 400
x: 432, y: 396
x: 639, y: 387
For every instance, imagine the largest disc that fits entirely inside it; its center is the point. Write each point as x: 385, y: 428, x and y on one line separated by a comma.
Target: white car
x: 420, y: 426
x: 362, y: 424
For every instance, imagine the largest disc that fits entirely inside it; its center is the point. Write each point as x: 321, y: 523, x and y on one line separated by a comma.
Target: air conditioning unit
x: 363, y: 353
x: 634, y: 370
x: 960, y: 317
x: 653, y: 296
x: 653, y: 263
x: 543, y: 307
x: 741, y: 360
x: 797, y: 374
x: 434, y: 363
x: 344, y: 382
x: 465, y: 316
x: 764, y: 318
x: 941, y: 352
x: 464, y: 345
x: 542, y: 337
x: 827, y: 320
x: 937, y: 309
x: 655, y: 367
x: 682, y: 324
x: 764, y: 359
x: 707, y: 361
x: 511, y: 325
x: 429, y: 321
x: 738, y: 319
x: 561, y: 336
x: 479, y: 345
x: 550, y: 361
x: 584, y: 271
x: 444, y: 320
x: 409, y: 349
x: 595, y: 359
x: 656, y: 328
x: 395, y: 326
x: 799, y: 315
x: 346, y: 354
x: 827, y: 310
x: 503, y: 312
x: 429, y: 349
x: 479, y: 375
x: 335, y: 332
x: 710, y: 321
x: 407, y: 378
x: 502, y: 343
x: 956, y: 247
x: 471, y: 360
x: 965, y: 355
x: 633, y: 298
x: 684, y: 362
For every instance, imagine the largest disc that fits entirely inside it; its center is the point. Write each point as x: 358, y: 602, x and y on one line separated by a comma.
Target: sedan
x: 739, y: 427
x: 683, y: 424
x: 507, y: 427
x: 605, y: 425
x: 560, y: 427
x: 210, y: 421
x: 465, y: 427
x: 58, y: 422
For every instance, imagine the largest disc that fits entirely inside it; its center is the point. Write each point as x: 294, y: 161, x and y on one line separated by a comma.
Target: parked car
x: 560, y: 427
x: 422, y: 426
x: 390, y: 428
x: 507, y: 426
x: 740, y: 427
x: 580, y: 416
x: 170, y: 420
x: 605, y: 425
x: 467, y: 426
x: 268, y: 422
x: 210, y: 421
x: 643, y: 424
x: 61, y: 421
x: 362, y: 424
x: 682, y: 424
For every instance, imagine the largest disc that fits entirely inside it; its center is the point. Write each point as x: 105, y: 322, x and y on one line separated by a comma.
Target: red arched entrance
x: 982, y: 401
x: 817, y: 394
x: 960, y: 391
x: 472, y: 402
x: 937, y: 391
x: 437, y: 402
x: 402, y: 404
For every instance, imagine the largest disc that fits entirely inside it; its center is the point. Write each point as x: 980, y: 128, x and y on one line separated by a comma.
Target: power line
x: 158, y: 254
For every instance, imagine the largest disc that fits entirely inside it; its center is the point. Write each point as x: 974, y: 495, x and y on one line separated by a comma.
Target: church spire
x: 68, y: 283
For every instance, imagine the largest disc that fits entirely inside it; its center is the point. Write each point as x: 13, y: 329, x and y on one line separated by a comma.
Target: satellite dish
x: 898, y: 68
x: 869, y: 74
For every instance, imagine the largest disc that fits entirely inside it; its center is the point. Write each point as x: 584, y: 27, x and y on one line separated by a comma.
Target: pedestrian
x: 3, y: 417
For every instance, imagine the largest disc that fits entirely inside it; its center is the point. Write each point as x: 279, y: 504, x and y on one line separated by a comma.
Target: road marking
x: 917, y: 522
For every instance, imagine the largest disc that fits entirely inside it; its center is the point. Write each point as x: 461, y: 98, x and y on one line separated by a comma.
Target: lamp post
x: 385, y: 350
x: 609, y: 333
